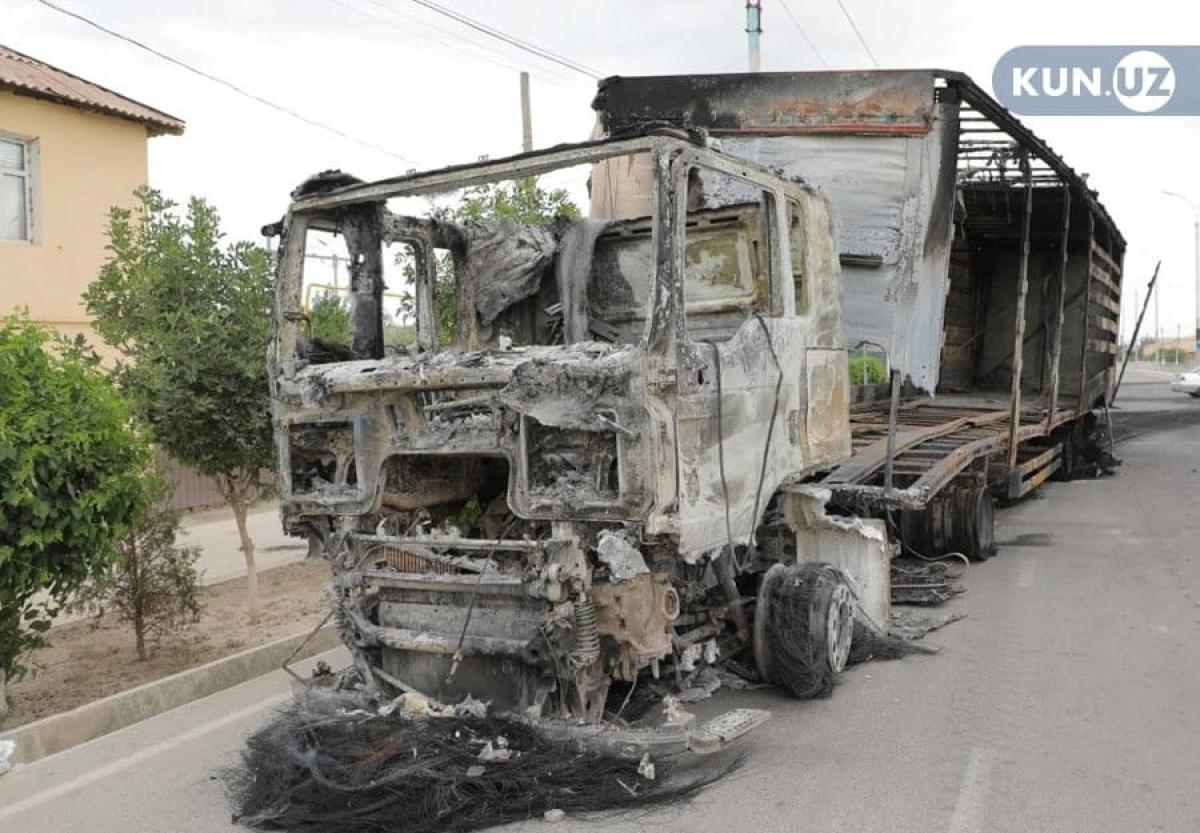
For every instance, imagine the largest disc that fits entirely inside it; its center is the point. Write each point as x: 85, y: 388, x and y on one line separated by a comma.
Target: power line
x: 491, y: 58
x: 804, y: 34
x: 857, y: 33
x: 511, y: 40
x: 227, y: 84
x: 481, y: 52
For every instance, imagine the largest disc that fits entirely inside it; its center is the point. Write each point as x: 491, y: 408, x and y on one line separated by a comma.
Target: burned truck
x: 628, y: 446
x: 622, y: 400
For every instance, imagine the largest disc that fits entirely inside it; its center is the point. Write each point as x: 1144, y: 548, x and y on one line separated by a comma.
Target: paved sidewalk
x: 221, y: 558
x: 215, y: 532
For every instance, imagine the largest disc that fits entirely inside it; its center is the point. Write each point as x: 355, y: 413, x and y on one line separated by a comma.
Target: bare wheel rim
x: 839, y: 627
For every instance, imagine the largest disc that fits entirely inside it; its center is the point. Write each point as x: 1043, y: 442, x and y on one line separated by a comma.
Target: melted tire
x: 803, y: 627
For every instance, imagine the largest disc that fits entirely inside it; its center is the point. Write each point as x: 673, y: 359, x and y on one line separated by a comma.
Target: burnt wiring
x: 462, y: 635
x: 932, y: 559
x: 337, y: 765
x: 726, y: 565
x: 559, y: 672
x: 762, y: 472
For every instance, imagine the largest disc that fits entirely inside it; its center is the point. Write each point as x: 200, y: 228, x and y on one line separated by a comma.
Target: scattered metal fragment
x: 494, y: 751
x: 910, y: 625
x: 673, y: 715
x: 618, y: 553
x: 701, y: 686
x: 924, y: 582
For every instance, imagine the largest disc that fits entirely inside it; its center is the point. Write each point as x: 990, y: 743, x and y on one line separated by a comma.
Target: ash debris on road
x: 341, y: 765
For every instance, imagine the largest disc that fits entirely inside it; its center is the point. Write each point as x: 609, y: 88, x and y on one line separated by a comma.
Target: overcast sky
x: 394, y: 74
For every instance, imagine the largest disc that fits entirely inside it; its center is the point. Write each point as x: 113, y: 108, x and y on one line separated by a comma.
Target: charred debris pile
x: 331, y: 766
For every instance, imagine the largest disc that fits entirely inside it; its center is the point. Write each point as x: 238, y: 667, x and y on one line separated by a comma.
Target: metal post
x: 1056, y: 345
x: 753, y: 30
x: 526, y: 115
x: 1196, y: 263
x: 1081, y: 406
x: 1019, y: 335
x: 1137, y: 305
x: 1157, y: 331
x: 1136, y: 326
x: 1196, y: 269
x: 893, y: 418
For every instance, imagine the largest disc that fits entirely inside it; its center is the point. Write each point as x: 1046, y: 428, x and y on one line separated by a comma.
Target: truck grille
x: 407, y: 560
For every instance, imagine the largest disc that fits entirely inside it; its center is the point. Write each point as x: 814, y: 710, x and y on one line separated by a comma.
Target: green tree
x: 70, y: 464
x: 523, y: 201
x: 155, y: 586
x: 329, y: 318
x: 867, y: 370
x: 191, y: 315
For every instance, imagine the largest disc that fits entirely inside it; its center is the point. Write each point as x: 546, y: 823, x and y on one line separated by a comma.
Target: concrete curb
x: 62, y: 731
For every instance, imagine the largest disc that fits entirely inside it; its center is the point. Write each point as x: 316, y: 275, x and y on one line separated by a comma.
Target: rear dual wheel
x: 962, y: 519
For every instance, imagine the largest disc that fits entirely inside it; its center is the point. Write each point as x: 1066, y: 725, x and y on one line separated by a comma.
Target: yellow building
x: 69, y: 150
x: 1174, y: 350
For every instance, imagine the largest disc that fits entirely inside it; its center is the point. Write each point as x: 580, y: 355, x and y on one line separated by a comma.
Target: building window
x: 16, y: 190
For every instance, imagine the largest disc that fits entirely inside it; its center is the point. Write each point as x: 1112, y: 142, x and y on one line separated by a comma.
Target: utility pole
x: 1133, y: 340
x: 333, y: 259
x: 1136, y: 327
x: 1196, y: 266
x: 526, y: 115
x: 1157, y: 331
x: 753, y: 31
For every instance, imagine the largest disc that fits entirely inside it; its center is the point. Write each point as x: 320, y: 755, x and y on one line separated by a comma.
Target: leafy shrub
x: 70, y: 467
x: 330, y: 318
x: 155, y: 586
x: 867, y: 370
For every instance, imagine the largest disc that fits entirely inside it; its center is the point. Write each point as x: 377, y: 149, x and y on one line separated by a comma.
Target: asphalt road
x: 1067, y: 700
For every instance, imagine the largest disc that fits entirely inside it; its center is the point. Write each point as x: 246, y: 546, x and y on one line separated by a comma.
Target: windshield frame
x: 672, y: 151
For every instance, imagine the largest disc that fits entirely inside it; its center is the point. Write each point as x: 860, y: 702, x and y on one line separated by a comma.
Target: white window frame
x: 29, y: 174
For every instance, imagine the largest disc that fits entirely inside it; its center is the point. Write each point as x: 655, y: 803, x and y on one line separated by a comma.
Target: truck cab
x: 563, y: 479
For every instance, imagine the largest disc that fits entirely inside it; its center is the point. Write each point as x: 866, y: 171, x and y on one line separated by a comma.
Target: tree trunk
x: 139, y: 632
x: 3, y: 694
x: 137, y: 596
x: 238, y: 504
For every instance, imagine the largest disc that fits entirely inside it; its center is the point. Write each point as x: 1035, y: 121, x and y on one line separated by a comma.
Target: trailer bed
x: 937, y: 440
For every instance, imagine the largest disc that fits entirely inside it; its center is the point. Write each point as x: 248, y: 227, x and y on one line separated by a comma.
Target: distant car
x: 1188, y: 382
